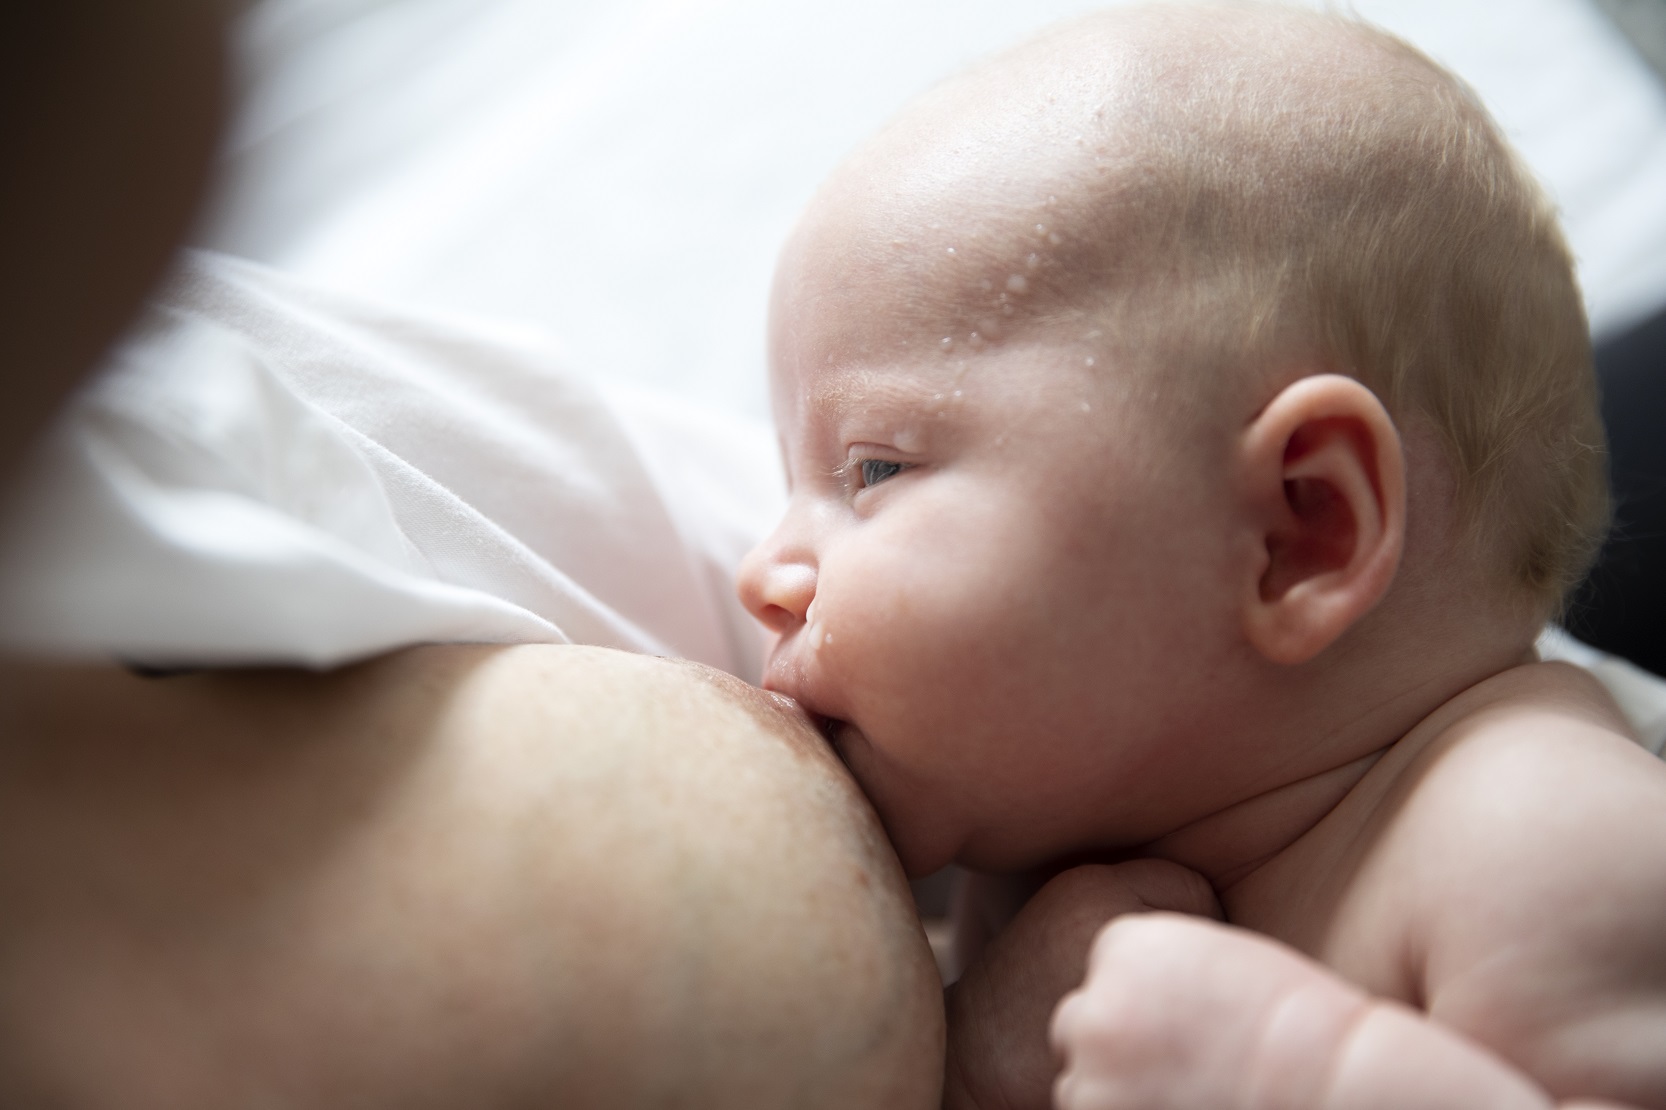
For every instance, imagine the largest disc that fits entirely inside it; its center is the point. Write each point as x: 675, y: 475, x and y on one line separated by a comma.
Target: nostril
x: 777, y: 619
x: 779, y: 595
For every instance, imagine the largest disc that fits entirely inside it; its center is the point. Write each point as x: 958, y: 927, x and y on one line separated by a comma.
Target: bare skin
x: 1051, y: 607
x: 484, y: 876
x: 1546, y: 989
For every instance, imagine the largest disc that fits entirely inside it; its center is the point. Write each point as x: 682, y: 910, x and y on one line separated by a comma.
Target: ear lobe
x: 1326, y: 482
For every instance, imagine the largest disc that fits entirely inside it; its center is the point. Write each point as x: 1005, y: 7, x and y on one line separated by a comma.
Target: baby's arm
x: 1532, y: 859
x: 998, y: 1057
x: 1180, y: 1013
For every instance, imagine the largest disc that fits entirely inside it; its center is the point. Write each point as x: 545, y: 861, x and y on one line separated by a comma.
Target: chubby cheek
x: 962, y: 661
x: 893, y: 617
x: 924, y: 633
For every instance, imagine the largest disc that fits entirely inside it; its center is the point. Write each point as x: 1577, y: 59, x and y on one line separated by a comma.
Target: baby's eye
x: 875, y: 471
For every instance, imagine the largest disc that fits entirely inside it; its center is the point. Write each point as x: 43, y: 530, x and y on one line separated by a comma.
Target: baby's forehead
x: 1078, y: 119
x: 876, y: 268
x: 924, y: 396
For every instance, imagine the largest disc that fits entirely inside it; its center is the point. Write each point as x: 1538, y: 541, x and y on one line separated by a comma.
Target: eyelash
x: 865, y: 470
x: 860, y: 472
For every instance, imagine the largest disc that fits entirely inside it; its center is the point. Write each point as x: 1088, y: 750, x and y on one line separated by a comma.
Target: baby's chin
x: 927, y: 832
x: 921, y: 835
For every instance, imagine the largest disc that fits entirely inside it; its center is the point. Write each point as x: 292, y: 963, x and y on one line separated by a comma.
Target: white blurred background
x: 618, y: 174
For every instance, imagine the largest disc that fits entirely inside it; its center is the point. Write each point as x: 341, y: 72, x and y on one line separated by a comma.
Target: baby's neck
x: 1231, y: 843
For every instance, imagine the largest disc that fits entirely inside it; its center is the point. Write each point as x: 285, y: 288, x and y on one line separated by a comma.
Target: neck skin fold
x: 1230, y: 845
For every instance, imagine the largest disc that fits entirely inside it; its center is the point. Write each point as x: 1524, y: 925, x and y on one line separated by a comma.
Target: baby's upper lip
x: 786, y: 674
x: 781, y: 669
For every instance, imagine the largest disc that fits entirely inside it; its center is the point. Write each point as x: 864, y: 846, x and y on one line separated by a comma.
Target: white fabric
x: 272, y: 474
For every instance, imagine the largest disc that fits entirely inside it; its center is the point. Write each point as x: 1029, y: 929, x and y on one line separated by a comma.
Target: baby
x: 1189, y: 424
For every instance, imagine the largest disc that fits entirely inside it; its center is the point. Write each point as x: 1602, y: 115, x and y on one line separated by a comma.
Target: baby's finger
x: 1065, y: 1029
x: 1074, y: 1091
x: 1090, y: 1089
x: 1106, y: 945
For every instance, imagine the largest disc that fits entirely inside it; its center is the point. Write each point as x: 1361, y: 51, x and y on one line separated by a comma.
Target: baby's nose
x: 775, y: 588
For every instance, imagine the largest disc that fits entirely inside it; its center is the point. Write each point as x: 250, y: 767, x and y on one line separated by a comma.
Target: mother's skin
x: 454, y: 876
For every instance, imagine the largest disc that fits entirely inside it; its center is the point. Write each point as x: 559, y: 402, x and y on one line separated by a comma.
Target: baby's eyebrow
x: 863, y: 387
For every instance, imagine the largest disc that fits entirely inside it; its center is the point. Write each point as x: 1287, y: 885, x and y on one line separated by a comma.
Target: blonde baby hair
x: 1298, y: 190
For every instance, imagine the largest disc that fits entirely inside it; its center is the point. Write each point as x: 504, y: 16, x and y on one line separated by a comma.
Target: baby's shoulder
x: 1527, y: 833
x: 1533, y: 768
x: 1528, y: 786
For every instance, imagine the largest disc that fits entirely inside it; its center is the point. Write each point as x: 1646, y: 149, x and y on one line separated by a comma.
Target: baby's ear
x: 1322, y: 469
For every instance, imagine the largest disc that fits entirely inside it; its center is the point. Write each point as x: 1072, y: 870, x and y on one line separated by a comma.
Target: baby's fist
x: 1180, y: 1013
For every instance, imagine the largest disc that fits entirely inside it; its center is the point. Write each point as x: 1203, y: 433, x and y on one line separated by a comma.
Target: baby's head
x: 1154, y: 397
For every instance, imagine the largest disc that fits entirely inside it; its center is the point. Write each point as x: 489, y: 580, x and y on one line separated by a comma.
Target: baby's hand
x: 1183, y: 1014
x: 998, y: 1056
